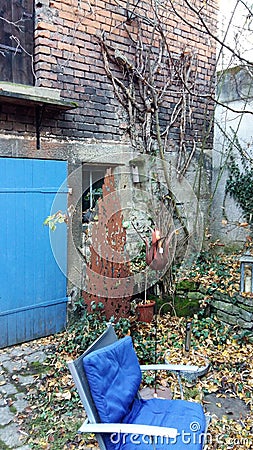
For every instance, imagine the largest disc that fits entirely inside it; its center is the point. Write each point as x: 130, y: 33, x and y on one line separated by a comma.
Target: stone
x: 11, y: 436
x: 223, y: 297
x: 186, y: 285
x: 14, y: 366
x: 246, y: 315
x: 8, y: 389
x: 17, y: 352
x: 28, y: 349
x: 6, y: 416
x: 24, y: 447
x: 195, y: 296
x: 14, y: 363
x: 26, y: 380
x: 4, y: 357
x: 2, y: 401
x: 31, y: 91
x: 20, y: 404
x: 245, y: 325
x: 244, y: 300
x: 227, y: 318
x: 225, y: 307
x: 39, y: 357
x: 233, y: 407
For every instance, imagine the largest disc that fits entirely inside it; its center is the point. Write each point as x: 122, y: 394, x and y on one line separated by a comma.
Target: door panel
x: 33, y: 286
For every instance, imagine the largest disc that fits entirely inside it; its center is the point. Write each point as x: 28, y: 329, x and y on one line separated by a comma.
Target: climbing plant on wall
x: 239, y: 184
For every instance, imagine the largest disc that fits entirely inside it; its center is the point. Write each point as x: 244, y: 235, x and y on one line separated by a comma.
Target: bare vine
x: 143, y: 80
x: 142, y: 85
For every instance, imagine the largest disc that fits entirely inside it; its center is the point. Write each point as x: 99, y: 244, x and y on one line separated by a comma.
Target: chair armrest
x: 128, y: 428
x: 170, y: 367
x: 179, y: 368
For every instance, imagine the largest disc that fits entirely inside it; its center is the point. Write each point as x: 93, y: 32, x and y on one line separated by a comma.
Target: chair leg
x: 180, y: 386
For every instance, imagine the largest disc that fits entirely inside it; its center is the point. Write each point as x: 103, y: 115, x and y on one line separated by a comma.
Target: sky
x: 236, y: 25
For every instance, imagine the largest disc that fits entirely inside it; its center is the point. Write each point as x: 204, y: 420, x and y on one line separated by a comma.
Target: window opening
x: 16, y: 41
x: 93, y: 181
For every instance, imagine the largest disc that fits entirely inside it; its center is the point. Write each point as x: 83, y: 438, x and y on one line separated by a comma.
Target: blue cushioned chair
x: 107, y: 376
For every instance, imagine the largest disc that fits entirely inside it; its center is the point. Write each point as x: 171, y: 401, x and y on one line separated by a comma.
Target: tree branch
x: 207, y: 30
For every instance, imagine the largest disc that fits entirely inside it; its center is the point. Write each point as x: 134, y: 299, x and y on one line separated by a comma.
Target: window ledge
x: 31, y: 95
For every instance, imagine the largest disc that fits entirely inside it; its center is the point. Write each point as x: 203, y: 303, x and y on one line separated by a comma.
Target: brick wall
x: 67, y: 56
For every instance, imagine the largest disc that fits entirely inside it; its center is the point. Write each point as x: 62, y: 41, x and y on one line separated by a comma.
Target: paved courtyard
x: 17, y: 375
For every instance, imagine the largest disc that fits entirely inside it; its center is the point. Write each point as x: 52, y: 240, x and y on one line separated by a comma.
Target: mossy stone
x: 186, y: 307
x: 195, y: 296
x: 186, y: 285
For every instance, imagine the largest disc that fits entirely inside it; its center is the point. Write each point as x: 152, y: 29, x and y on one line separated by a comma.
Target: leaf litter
x: 55, y: 412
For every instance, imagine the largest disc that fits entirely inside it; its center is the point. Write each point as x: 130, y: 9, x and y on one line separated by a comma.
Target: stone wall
x: 237, y: 310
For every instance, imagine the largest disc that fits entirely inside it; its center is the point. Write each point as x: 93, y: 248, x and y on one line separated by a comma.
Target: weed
x: 3, y: 446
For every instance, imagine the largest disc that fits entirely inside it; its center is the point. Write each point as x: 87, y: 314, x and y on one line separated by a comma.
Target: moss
x: 13, y: 409
x: 36, y: 368
x: 185, y: 307
x: 186, y: 285
x: 163, y: 305
x: 3, y: 446
x: 230, y: 70
x: 247, y: 308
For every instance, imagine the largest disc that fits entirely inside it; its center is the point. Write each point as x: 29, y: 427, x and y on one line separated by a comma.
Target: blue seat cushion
x: 114, y: 377
x: 187, y: 417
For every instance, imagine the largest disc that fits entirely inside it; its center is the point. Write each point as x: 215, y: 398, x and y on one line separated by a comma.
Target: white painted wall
x: 226, y: 121
x: 238, y: 95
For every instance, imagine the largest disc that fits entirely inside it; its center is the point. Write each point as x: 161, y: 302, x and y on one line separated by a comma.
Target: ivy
x: 240, y: 186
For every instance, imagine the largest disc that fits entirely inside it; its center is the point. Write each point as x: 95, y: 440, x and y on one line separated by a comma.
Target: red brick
x: 42, y: 33
x: 68, y: 57
x: 56, y: 52
x: 43, y: 66
x: 42, y: 49
x: 45, y: 41
x: 67, y: 15
x: 46, y: 26
x: 67, y: 47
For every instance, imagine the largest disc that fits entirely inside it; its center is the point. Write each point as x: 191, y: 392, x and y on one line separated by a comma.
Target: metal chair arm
x: 128, y: 428
x: 170, y: 367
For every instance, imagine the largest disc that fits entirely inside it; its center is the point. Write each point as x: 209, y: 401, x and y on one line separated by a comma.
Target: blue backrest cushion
x: 114, y: 377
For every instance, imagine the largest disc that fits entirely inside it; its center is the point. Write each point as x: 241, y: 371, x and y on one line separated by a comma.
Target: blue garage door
x: 32, y: 283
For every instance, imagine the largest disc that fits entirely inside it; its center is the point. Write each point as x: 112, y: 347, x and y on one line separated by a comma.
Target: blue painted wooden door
x: 32, y: 282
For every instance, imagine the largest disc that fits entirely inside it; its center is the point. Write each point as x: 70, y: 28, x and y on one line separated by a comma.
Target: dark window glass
x: 16, y: 41
x: 93, y: 181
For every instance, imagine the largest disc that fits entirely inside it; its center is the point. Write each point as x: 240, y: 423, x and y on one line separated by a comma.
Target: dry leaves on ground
x: 56, y: 411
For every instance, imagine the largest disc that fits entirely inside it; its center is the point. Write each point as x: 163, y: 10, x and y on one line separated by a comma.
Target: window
x: 93, y: 180
x: 16, y: 41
